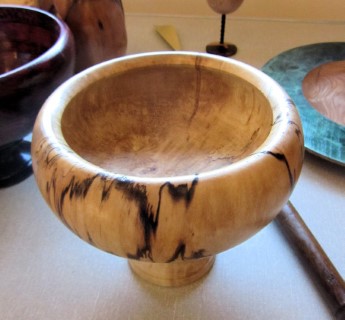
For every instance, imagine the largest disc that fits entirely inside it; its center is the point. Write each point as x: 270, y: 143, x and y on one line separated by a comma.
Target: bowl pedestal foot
x: 15, y: 163
x: 174, y: 274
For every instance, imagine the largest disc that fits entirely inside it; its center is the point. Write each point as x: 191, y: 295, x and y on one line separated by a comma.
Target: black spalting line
x: 52, y: 183
x: 291, y: 103
x: 180, y: 192
x: 106, y: 187
x: 277, y: 120
x: 147, y: 217
x: 49, y: 148
x: 299, y: 135
x: 281, y: 157
x: 179, y: 252
x: 150, y: 219
x: 80, y: 189
x: 298, y: 130
x: 51, y: 160
x: 133, y: 191
x: 45, y: 149
x: 75, y: 189
x: 198, y: 254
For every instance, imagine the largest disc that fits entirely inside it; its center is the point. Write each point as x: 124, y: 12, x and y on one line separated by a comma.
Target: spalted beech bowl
x: 36, y: 55
x: 167, y: 158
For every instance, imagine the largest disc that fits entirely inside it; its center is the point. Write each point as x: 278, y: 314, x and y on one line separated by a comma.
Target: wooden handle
x: 304, y: 241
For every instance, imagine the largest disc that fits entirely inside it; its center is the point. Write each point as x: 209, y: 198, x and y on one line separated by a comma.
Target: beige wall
x: 281, y: 9
x: 275, y: 9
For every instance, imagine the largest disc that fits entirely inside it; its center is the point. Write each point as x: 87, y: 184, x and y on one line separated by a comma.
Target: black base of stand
x: 221, y: 49
x: 15, y: 163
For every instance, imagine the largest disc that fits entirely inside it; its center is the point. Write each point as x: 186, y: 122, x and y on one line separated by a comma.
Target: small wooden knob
x: 224, y: 6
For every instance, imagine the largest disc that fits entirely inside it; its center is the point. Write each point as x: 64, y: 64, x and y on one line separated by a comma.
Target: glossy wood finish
x: 36, y: 55
x: 167, y: 157
x: 97, y: 25
x: 324, y: 88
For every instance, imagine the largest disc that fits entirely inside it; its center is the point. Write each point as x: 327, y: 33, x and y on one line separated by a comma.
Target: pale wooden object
x: 324, y: 88
x: 169, y: 34
x: 167, y: 157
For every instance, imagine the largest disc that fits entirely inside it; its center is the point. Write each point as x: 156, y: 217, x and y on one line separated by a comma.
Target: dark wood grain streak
x: 150, y: 220
x: 281, y: 157
x: 308, y: 247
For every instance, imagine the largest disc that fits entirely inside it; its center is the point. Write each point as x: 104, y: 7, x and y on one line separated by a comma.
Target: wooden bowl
x: 167, y: 158
x: 36, y: 55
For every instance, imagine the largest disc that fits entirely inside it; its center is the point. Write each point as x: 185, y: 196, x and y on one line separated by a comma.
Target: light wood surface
x: 167, y: 157
x: 173, y: 274
x: 167, y: 121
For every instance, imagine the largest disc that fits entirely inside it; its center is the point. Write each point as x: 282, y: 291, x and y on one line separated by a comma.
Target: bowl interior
x: 25, y: 34
x: 161, y: 121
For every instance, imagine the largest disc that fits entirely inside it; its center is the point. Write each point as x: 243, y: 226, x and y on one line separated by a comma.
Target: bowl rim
x: 52, y: 111
x: 54, y: 50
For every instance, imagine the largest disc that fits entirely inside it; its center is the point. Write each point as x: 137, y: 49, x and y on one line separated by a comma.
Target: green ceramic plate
x: 323, y: 137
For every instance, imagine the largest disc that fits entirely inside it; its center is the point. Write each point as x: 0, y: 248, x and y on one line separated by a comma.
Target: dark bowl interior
x: 36, y: 55
x: 24, y: 36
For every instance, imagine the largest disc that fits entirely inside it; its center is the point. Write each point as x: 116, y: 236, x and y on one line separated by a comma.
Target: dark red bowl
x: 36, y: 55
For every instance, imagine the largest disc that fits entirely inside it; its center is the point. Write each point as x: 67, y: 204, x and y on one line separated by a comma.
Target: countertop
x: 46, y: 272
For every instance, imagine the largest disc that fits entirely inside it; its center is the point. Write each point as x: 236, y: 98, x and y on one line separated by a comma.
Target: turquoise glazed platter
x: 323, y: 136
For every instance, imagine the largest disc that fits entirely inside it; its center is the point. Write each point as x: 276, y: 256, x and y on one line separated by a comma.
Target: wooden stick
x: 222, y: 29
x: 304, y: 241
